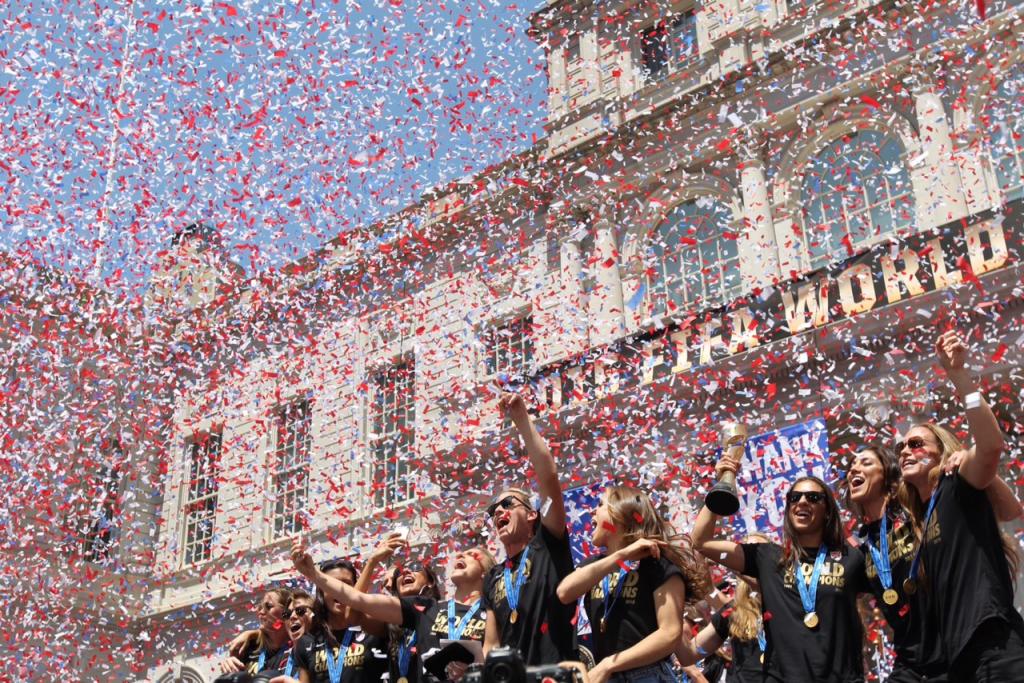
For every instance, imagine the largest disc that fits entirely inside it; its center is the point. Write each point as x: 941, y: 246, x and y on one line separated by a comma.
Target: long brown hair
x: 745, y: 620
x: 832, y: 535
x: 891, y: 477
x: 915, y: 507
x: 633, y: 512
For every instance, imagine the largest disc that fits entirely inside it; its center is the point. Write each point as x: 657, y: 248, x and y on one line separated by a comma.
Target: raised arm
x: 669, y: 599
x: 585, y: 578
x: 725, y: 553
x: 544, y: 467
x: 492, y: 635
x: 386, y: 608
x: 981, y: 465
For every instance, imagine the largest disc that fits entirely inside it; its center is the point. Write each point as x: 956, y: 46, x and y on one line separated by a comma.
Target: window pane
x: 695, y: 256
x: 855, y: 189
x: 1006, y: 118
x: 391, y: 446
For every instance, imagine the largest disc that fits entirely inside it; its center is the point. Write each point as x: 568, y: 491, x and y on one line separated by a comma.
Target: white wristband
x: 972, y: 400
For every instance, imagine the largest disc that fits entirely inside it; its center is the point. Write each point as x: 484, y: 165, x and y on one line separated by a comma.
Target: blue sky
x: 281, y: 123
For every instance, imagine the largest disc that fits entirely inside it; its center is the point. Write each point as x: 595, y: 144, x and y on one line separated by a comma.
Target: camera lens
x: 501, y: 673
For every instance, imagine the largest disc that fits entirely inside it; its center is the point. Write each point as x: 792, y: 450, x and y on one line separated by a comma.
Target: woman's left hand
x: 951, y: 350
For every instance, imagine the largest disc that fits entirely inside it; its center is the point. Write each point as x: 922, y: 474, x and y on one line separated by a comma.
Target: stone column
x: 759, y: 253
x: 943, y: 199
x: 605, y: 305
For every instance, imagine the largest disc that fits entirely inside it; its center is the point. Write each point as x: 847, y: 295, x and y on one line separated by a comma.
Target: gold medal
x: 909, y: 586
x: 512, y: 619
x: 762, y: 658
x: 811, y: 620
x: 891, y: 597
x: 602, y: 625
x: 403, y: 679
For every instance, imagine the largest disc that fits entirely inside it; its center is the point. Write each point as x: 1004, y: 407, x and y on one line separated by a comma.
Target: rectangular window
x: 290, y: 467
x: 392, y: 434
x: 575, y: 74
x: 203, y: 452
x: 91, y: 523
x: 508, y: 349
x: 667, y: 45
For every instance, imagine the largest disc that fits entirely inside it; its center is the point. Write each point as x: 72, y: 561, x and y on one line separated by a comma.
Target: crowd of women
x: 927, y: 550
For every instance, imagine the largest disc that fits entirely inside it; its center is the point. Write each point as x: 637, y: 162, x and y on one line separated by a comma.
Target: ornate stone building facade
x: 756, y: 210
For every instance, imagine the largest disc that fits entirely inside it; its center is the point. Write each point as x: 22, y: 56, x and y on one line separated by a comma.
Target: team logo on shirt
x: 355, y: 657
x: 832, y: 574
x: 500, y: 591
x: 630, y: 588
x: 474, y: 629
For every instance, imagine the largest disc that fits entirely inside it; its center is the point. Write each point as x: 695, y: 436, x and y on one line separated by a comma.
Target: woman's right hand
x: 639, y: 549
x: 231, y: 665
x: 727, y: 463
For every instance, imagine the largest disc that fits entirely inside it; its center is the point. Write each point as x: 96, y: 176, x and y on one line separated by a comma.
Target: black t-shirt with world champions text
x: 364, y: 661
x: 632, y: 615
x: 429, y: 619
x: 273, y: 659
x: 544, y: 632
x: 746, y: 665
x: 832, y: 651
x: 917, y: 646
x: 965, y: 574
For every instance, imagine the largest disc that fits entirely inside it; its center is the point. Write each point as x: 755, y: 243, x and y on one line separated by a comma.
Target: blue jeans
x: 653, y: 673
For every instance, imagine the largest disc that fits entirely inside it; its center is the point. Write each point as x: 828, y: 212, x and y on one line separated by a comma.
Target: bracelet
x: 972, y: 400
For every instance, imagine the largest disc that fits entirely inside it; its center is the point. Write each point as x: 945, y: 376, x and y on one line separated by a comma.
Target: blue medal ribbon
x: 809, y: 593
x: 261, y: 661
x: 289, y: 667
x: 336, y: 663
x: 405, y: 652
x: 512, y: 590
x: 609, y: 601
x: 916, y: 563
x: 762, y: 642
x: 455, y: 632
x: 881, y: 558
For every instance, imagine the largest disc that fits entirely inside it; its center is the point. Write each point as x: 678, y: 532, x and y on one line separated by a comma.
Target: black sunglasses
x: 913, y: 443
x: 299, y: 611
x: 813, y: 497
x: 506, y: 503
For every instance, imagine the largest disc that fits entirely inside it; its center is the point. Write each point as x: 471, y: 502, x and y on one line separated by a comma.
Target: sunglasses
x: 914, y: 443
x: 813, y: 497
x: 299, y: 611
x: 506, y: 503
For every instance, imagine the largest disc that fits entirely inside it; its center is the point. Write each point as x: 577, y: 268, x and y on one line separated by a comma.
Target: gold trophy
x: 723, y: 498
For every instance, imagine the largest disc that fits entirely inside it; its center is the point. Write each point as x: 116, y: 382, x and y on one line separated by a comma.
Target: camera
x: 505, y: 665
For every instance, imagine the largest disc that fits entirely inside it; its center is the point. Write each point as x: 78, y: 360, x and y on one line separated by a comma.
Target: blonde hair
x: 915, y: 507
x: 633, y: 512
x: 745, y: 620
x: 483, y: 556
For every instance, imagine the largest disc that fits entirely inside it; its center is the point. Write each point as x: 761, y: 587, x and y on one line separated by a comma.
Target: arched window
x: 1006, y: 128
x: 855, y: 189
x: 695, y: 256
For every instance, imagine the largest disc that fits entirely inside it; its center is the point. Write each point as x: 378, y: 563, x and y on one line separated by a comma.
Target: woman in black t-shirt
x: 870, y: 492
x: 963, y: 564
x: 420, y: 618
x: 334, y: 649
x: 809, y: 585
x: 634, y: 592
x: 739, y: 622
x: 269, y: 650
